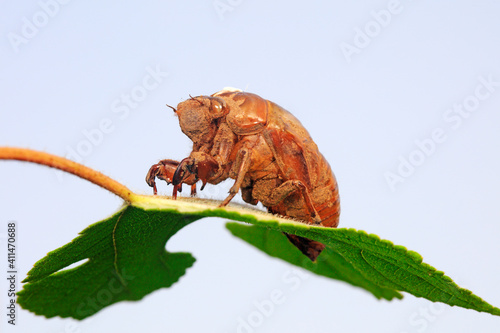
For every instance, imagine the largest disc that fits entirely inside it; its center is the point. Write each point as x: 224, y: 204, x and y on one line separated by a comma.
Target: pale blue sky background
x: 365, y: 111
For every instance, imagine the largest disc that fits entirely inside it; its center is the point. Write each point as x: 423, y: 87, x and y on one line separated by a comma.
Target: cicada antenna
x: 175, y: 110
x: 195, y: 99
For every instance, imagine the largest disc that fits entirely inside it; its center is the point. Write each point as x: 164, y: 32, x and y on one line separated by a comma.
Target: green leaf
x: 329, y: 264
x: 380, y: 263
x: 128, y: 260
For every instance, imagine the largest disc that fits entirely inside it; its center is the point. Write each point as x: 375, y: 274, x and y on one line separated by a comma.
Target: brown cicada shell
x: 265, y: 149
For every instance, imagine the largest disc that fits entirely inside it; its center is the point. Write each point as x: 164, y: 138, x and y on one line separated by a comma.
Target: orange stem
x: 61, y: 163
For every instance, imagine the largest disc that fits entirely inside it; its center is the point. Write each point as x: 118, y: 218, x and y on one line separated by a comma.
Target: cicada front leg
x: 198, y: 166
x: 165, y: 170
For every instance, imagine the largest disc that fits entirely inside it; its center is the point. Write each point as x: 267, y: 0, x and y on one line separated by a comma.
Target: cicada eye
x: 217, y: 107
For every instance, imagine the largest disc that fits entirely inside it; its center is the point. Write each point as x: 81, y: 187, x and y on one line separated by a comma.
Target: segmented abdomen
x: 325, y: 195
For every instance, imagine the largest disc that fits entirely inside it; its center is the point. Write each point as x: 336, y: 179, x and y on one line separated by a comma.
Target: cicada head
x: 199, y: 117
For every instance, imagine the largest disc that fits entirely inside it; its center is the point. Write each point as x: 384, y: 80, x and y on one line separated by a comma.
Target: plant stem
x: 61, y: 163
